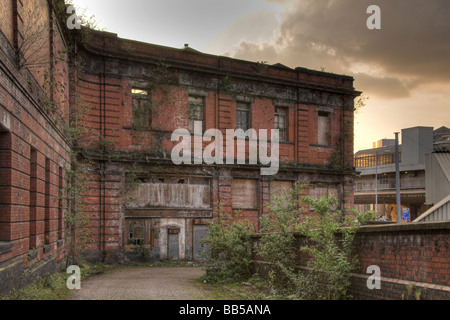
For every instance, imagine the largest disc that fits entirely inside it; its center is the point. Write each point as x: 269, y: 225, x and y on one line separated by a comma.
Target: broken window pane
x: 136, y: 234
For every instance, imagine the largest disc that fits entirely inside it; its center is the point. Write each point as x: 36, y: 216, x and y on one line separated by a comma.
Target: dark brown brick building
x: 128, y: 98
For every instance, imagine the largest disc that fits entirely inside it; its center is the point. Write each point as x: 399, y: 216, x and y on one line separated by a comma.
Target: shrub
x: 229, y: 248
x: 277, y: 241
x: 330, y: 234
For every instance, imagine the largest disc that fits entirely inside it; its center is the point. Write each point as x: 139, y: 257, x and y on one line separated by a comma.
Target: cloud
x: 412, y: 47
x: 248, y: 27
x: 384, y: 88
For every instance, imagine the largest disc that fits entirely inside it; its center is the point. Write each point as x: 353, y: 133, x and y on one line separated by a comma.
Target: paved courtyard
x: 140, y: 283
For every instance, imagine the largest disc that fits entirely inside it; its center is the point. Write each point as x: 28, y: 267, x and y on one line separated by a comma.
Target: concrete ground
x: 144, y: 283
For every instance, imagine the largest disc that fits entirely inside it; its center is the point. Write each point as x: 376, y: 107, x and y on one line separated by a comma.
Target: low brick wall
x: 414, y: 261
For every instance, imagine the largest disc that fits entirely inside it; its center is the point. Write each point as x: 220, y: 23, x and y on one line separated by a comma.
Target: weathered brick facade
x: 34, y: 149
x: 128, y: 98
x: 114, y: 147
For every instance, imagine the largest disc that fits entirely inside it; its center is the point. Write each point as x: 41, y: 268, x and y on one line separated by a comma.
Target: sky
x: 403, y: 69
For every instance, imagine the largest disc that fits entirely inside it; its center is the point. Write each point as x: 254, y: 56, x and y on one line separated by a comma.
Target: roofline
x: 300, y: 77
x: 276, y: 65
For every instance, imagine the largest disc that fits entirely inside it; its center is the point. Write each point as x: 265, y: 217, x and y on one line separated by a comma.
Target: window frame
x: 235, y: 203
x: 327, y: 134
x: 277, y: 115
x: 144, y: 101
x: 133, y: 241
x: 191, y: 119
x: 243, y: 107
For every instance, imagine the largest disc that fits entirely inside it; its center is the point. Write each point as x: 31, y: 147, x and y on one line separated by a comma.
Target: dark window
x: 33, y: 197
x: 60, y: 204
x: 5, y: 179
x: 281, y: 122
x: 242, y: 116
x: 142, y: 109
x: 47, y: 202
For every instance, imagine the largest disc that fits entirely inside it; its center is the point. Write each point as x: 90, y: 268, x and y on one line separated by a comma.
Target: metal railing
x: 375, y: 160
x: 389, y: 184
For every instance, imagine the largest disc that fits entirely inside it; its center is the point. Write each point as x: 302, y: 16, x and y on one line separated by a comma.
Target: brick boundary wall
x: 414, y: 261
x: 414, y: 256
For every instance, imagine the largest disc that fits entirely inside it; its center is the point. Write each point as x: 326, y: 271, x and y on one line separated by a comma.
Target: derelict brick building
x: 126, y: 99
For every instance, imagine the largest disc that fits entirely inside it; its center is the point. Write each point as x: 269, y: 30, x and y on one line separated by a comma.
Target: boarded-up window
x: 244, y: 194
x: 172, y: 193
x: 323, y: 128
x: 322, y: 190
x: 278, y: 188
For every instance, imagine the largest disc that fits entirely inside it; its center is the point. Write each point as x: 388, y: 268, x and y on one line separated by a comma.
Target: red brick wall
x: 102, y: 202
x: 173, y: 103
x: 31, y: 212
x: 34, y: 37
x: 416, y: 253
x: 113, y: 121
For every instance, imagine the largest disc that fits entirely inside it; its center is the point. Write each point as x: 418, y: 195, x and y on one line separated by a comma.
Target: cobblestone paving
x: 140, y: 283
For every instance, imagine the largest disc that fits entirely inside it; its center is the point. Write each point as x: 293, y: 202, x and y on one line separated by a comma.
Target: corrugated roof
x: 439, y: 212
x: 444, y: 162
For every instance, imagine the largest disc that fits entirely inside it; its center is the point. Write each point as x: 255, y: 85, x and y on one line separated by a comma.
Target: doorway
x: 173, y: 244
x: 200, y: 232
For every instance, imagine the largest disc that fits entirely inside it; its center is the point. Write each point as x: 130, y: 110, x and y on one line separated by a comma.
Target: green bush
x: 330, y: 234
x: 229, y: 248
x: 328, y: 247
x: 277, y: 241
